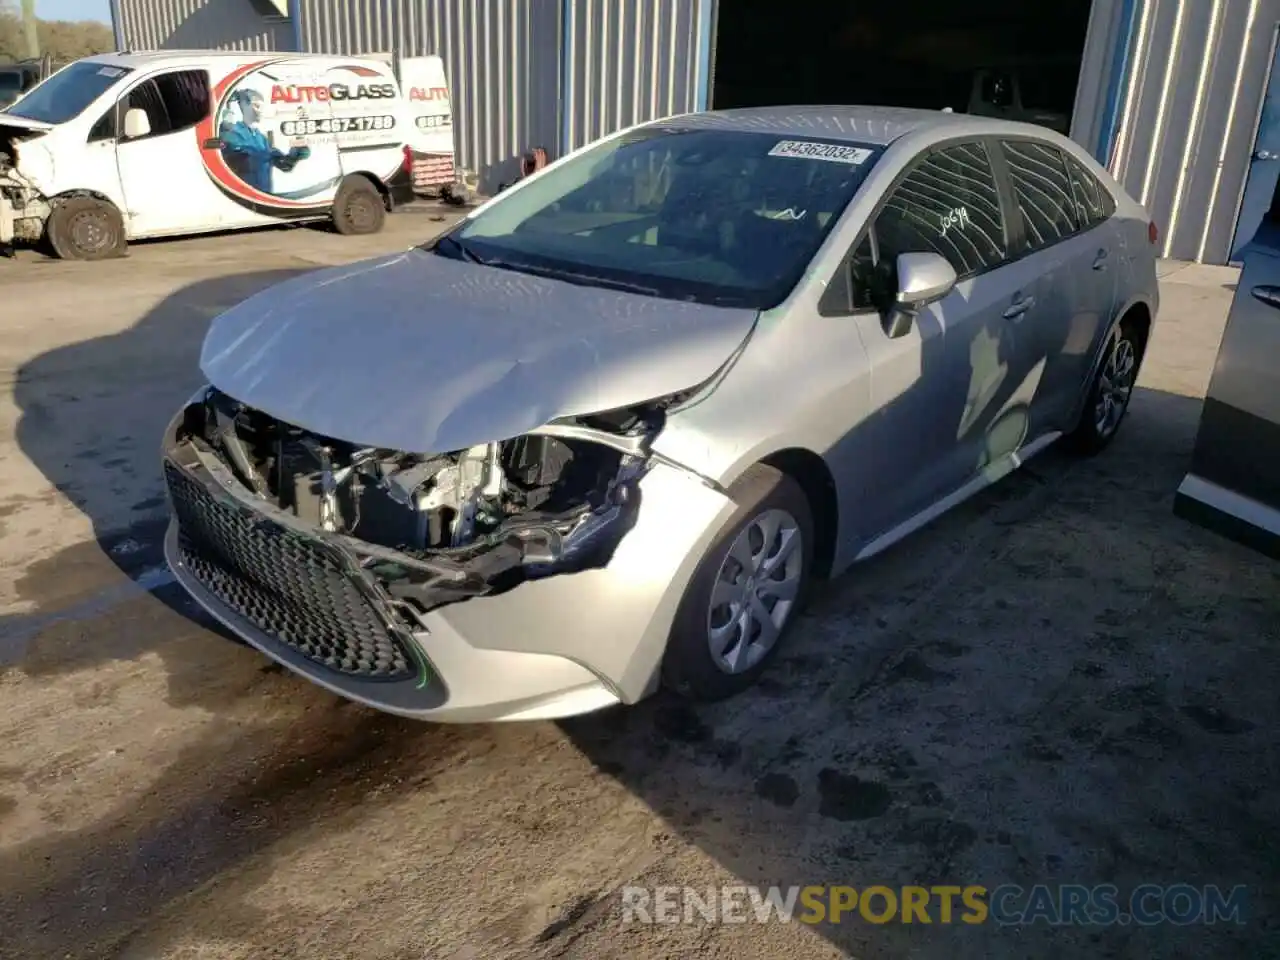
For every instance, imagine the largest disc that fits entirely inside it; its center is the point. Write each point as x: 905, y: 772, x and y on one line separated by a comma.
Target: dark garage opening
x: 1005, y: 58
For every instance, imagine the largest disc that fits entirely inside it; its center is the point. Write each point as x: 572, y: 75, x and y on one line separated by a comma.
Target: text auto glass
x: 678, y: 211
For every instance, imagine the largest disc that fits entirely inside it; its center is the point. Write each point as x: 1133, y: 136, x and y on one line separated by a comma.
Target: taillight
x: 1153, y: 235
x: 407, y: 163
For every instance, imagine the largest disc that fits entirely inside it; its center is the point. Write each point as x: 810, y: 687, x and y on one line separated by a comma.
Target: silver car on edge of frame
x: 604, y: 432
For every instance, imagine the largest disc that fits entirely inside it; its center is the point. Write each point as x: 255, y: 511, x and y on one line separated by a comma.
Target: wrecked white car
x: 604, y: 432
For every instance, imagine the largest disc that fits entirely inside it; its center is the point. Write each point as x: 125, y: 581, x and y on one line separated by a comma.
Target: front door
x: 1264, y: 169
x: 943, y: 388
x: 166, y: 189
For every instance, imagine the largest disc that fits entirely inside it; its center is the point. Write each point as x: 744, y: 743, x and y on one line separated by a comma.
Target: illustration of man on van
x: 247, y: 149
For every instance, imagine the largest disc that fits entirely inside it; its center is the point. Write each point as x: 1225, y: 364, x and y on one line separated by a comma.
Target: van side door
x: 165, y: 186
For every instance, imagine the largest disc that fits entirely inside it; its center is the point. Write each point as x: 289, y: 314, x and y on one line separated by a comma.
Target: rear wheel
x: 85, y: 228
x: 358, y: 208
x: 1110, y: 392
x: 746, y: 592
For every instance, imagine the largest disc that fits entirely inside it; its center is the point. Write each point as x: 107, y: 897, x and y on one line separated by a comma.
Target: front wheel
x: 746, y: 592
x: 1110, y: 392
x: 85, y: 228
x: 358, y: 208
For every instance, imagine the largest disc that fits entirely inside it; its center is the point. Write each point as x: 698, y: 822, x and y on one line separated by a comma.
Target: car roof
x: 854, y: 124
x: 142, y: 59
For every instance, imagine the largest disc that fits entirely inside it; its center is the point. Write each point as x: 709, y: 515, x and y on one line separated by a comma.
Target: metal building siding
x: 502, y: 60
x: 198, y: 25
x: 628, y: 61
x: 1198, y: 73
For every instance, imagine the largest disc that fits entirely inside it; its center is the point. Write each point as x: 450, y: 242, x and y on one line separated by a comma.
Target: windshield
x: 715, y: 216
x: 66, y: 94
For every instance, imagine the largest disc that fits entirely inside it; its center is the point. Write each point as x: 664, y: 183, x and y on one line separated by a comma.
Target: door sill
x: 991, y: 474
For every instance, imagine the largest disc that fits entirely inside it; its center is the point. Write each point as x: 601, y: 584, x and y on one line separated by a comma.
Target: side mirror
x: 136, y: 124
x: 923, y: 278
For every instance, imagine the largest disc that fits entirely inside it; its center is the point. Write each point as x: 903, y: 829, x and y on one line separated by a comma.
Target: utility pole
x: 29, y: 28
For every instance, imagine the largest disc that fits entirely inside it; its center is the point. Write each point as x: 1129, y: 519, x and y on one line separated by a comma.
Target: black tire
x: 1093, y: 433
x: 85, y: 228
x: 358, y: 208
x: 688, y: 667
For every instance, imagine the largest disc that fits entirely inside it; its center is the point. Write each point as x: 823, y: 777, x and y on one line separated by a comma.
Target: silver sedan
x: 603, y: 434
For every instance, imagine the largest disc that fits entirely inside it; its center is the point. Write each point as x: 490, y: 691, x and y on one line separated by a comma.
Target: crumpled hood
x: 421, y: 353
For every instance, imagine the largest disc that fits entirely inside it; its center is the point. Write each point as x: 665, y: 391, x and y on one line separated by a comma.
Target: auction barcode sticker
x: 812, y: 150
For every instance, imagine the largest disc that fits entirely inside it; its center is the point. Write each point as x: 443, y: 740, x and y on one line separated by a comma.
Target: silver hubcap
x: 755, y: 591
x: 1115, y: 386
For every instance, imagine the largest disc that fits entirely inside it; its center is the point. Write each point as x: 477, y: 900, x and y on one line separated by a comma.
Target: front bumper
x: 554, y: 647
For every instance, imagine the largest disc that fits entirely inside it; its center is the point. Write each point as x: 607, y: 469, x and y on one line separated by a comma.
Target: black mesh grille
x: 283, y: 583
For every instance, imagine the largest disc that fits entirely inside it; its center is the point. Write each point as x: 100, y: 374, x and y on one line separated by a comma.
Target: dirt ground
x: 1059, y: 682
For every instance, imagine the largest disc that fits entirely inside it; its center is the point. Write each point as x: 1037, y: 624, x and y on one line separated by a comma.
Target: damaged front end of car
x: 338, y: 550
x: 23, y: 207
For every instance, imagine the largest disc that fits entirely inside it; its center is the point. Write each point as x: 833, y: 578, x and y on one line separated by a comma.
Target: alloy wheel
x: 1115, y: 386
x: 755, y: 591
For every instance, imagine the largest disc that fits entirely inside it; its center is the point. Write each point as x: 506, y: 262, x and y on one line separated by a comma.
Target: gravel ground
x: 1058, y: 683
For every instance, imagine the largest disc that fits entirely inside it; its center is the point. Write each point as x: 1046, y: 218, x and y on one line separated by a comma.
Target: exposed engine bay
x: 23, y: 207
x: 440, y: 527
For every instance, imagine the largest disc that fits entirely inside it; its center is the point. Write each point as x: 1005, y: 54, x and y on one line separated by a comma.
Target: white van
x: 123, y: 146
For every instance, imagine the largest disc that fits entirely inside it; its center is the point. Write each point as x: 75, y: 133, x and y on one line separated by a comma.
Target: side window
x: 186, y: 97
x: 1092, y: 198
x: 1043, y: 191
x: 105, y: 128
x: 146, y: 96
x: 948, y: 204
x: 173, y: 101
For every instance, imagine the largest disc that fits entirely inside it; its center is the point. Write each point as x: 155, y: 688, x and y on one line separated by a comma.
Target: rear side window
x: 948, y: 204
x: 1093, y: 200
x: 1042, y: 188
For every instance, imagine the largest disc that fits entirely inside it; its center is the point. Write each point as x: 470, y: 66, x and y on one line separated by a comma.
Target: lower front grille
x: 283, y: 583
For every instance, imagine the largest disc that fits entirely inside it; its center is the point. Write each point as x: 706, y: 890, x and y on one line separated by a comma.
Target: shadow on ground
x: 1057, y: 683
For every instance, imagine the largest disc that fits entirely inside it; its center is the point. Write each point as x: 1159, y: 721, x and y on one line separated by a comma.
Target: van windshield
x: 66, y: 94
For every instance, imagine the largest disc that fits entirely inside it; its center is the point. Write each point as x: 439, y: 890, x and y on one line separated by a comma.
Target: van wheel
x: 85, y: 228
x: 358, y: 208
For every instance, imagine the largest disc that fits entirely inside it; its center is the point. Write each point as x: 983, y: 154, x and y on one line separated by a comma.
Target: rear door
x: 163, y: 182
x: 942, y: 390
x: 1075, y: 256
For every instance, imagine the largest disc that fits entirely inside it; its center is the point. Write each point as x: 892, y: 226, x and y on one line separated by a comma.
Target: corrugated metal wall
x: 627, y: 61
x: 1189, y: 116
x: 502, y: 58
x: 197, y: 25
x: 1089, y: 114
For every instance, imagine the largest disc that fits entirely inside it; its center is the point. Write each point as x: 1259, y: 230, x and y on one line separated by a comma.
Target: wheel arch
x: 1137, y: 311
x: 383, y: 190
x: 811, y: 472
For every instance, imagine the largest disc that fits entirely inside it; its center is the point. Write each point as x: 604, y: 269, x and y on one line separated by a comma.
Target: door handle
x: 1266, y: 155
x: 1019, y: 307
x: 213, y: 143
x: 1100, y: 261
x: 1267, y: 294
